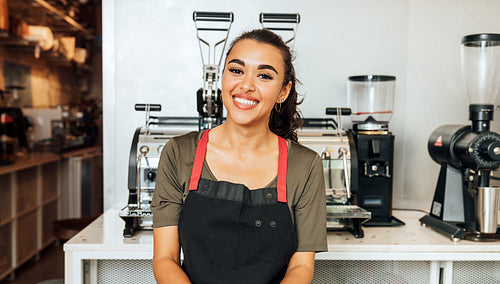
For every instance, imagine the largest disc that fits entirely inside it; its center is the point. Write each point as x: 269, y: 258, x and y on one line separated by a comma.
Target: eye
x: 235, y: 70
x: 265, y: 76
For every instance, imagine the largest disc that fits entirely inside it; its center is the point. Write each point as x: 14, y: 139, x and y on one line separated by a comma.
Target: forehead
x: 251, y: 51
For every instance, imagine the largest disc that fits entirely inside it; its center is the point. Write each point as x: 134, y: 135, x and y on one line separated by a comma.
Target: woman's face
x: 252, y: 82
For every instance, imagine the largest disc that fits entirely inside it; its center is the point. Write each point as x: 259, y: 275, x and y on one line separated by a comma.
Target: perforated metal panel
x: 367, y: 272
x: 326, y: 271
x: 476, y: 272
x: 130, y: 271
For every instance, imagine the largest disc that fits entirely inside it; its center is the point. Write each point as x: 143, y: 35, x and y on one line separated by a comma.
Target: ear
x: 285, y: 91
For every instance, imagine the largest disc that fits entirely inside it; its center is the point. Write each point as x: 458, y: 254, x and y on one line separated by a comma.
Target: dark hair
x: 288, y: 119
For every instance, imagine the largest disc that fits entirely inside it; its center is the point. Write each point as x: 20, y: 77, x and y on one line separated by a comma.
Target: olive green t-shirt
x: 304, y: 183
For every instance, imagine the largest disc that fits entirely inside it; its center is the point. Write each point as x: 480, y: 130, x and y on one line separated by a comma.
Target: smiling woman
x: 244, y: 201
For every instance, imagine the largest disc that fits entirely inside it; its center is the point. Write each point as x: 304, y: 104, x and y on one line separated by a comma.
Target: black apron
x: 230, y: 234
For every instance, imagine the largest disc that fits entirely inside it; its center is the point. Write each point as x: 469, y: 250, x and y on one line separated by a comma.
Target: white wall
x: 435, y: 94
x: 150, y: 54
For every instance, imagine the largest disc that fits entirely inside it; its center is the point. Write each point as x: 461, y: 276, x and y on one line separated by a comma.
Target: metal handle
x: 325, y: 155
x: 343, y: 152
x: 334, y: 111
x: 279, y: 18
x: 213, y: 16
x: 286, y: 22
x: 144, y: 107
x: 144, y: 151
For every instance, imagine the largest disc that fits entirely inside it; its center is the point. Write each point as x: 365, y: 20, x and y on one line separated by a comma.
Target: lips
x: 244, y: 101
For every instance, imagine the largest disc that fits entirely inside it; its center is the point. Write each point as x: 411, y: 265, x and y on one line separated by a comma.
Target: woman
x: 251, y: 207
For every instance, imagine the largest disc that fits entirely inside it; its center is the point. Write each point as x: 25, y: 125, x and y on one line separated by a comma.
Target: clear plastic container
x: 481, y: 67
x: 371, y: 95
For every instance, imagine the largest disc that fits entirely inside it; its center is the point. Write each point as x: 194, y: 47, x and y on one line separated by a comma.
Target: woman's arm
x: 166, y: 256
x: 300, y: 268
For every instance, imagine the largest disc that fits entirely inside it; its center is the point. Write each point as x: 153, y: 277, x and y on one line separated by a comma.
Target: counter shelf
x: 402, y: 253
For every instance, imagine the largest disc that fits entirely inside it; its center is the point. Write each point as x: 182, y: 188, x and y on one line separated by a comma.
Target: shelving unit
x: 31, y: 201
x: 41, y: 12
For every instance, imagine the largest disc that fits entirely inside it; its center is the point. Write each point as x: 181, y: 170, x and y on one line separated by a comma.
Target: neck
x: 245, y: 138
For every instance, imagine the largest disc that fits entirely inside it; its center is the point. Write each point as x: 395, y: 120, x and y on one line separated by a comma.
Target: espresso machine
x: 465, y: 204
x: 145, y: 151
x: 371, y: 99
x: 148, y: 140
x: 338, y: 153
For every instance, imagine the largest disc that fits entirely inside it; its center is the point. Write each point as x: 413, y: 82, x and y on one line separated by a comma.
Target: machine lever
x: 144, y: 107
x: 279, y: 18
x: 334, y: 111
x: 343, y: 152
x: 144, y: 151
x: 281, y: 22
x: 213, y: 16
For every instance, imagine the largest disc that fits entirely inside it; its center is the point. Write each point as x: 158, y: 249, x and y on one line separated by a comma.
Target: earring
x: 277, y: 107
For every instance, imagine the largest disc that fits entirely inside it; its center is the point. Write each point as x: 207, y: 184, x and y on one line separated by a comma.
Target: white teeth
x: 245, y: 101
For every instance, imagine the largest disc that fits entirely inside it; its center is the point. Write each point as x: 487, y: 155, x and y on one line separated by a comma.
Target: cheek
x: 271, y: 92
x: 228, y: 83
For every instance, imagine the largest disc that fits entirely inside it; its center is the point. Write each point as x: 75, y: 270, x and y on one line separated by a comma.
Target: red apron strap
x: 199, y: 158
x: 282, y: 167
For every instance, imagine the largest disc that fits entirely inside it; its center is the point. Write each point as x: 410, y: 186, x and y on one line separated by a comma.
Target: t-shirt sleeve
x: 168, y: 194
x: 310, y: 211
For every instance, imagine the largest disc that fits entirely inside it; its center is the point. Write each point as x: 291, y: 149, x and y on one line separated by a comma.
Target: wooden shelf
x: 27, y: 211
x: 10, y: 40
x: 6, y: 221
x: 4, y: 34
x: 48, y: 201
x: 40, y: 12
x: 28, y: 161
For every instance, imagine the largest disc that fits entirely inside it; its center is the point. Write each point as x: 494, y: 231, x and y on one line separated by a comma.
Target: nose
x: 247, y: 84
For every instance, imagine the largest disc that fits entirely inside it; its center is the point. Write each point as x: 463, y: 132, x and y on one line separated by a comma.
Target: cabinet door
x: 27, y: 184
x: 27, y: 236
x: 6, y: 198
x: 49, y: 216
x: 50, y: 181
x: 5, y: 248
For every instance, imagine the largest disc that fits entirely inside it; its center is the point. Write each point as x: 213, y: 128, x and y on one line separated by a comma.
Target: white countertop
x: 409, y: 242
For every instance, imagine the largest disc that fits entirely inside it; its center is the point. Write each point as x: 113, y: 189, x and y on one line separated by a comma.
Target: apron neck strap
x: 201, y: 151
x: 282, y: 166
x: 199, y: 158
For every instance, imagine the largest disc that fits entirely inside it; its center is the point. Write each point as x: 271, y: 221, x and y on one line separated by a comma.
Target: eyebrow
x: 262, y: 66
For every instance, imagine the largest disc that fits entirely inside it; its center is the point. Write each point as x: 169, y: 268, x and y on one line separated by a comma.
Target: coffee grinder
x: 465, y: 205
x: 371, y: 99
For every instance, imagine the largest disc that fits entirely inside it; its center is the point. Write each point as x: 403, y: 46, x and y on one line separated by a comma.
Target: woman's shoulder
x: 183, y: 142
x: 187, y: 139
x: 300, y: 151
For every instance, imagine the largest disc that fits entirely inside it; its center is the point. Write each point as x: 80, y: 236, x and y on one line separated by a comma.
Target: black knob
x: 494, y: 151
x: 151, y: 176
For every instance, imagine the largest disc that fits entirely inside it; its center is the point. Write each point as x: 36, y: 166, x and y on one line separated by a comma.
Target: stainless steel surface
x: 143, y: 152
x: 343, y: 153
x: 329, y: 146
x: 487, y: 209
x: 347, y: 211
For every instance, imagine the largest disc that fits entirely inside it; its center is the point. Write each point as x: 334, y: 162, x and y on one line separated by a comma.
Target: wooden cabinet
x: 30, y: 192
